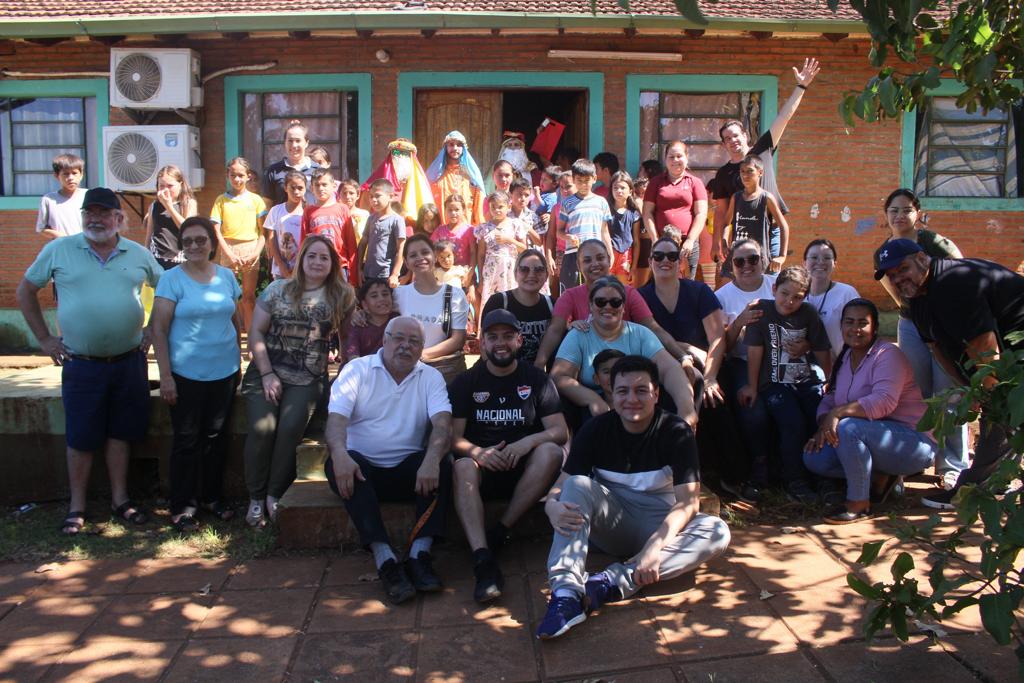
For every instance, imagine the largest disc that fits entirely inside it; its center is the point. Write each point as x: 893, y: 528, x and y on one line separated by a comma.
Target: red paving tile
x: 267, y: 614
x: 122, y: 659
x: 704, y: 630
x: 91, y: 577
x: 17, y: 581
x: 351, y: 568
x: 979, y: 652
x: 792, y: 667
x: 376, y: 656
x: 232, y: 659
x: 456, y: 605
x: 648, y: 676
x: 287, y: 572
x: 822, y: 615
x: 150, y: 617
x: 25, y: 663
x: 181, y: 576
x: 778, y: 561
x: 360, y: 608
x: 891, y: 660
x: 50, y: 620
x: 493, y: 651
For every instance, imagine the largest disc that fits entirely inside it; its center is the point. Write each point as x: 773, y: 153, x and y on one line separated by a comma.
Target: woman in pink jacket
x: 867, y: 421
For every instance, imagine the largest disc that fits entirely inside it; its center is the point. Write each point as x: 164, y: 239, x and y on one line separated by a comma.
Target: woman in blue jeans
x: 867, y: 421
x: 902, y: 213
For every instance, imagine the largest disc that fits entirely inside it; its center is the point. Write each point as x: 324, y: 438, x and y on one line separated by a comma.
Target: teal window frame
x: 768, y: 86
x: 62, y: 87
x: 591, y: 81
x: 235, y: 87
x: 948, y: 88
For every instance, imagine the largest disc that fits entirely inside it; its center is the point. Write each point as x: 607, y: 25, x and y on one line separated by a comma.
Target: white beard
x: 403, y: 167
x: 516, y: 157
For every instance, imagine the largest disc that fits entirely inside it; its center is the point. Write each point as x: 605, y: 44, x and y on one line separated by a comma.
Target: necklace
x: 821, y: 306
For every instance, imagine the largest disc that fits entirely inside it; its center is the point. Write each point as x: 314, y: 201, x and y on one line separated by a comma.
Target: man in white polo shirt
x: 383, y: 408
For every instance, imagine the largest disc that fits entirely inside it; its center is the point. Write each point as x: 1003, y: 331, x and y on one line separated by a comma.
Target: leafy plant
x: 995, y: 584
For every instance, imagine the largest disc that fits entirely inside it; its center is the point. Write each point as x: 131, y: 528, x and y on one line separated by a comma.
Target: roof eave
x: 13, y: 28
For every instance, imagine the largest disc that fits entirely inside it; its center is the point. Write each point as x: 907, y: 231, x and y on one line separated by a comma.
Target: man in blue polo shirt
x: 98, y: 276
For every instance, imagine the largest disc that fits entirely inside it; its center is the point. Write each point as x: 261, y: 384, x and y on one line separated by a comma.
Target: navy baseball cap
x: 892, y: 253
x: 500, y: 316
x: 101, y: 196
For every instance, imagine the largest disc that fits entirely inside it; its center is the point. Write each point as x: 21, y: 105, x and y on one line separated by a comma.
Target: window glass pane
x: 25, y: 134
x: 49, y: 109
x: 723, y: 105
x: 967, y: 160
x: 706, y: 156
x: 34, y: 183
x: 945, y: 109
x: 983, y: 134
x: 287, y: 104
x: 690, y: 130
x: 253, y: 138
x: 959, y: 185
x: 40, y: 158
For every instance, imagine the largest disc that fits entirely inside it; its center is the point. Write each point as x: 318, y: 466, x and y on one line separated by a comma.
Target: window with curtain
x: 331, y: 118
x: 967, y: 155
x: 34, y: 131
x: 695, y: 119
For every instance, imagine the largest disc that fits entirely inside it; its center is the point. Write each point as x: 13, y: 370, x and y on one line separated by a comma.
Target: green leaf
x: 861, y: 586
x: 959, y: 606
x: 887, y: 96
x: 931, y: 78
x: 876, y: 621
x: 869, y: 552
x: 691, y: 10
x: 899, y: 623
x: 901, y: 565
x: 997, y: 616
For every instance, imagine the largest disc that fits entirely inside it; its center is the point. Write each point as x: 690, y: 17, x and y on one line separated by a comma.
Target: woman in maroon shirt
x: 677, y: 198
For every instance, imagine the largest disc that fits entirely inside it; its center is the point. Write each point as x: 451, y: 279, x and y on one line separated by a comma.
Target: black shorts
x: 105, y: 400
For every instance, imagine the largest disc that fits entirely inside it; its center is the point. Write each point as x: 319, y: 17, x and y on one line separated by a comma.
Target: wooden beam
x: 107, y: 40
x: 694, y: 33
x: 428, y: 32
x: 300, y: 35
x: 45, y: 42
x: 835, y: 37
x: 760, y: 35
x: 364, y: 33
x: 172, y: 38
x: 236, y: 35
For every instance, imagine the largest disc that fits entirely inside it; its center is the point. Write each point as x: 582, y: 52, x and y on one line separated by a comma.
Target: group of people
x: 606, y: 395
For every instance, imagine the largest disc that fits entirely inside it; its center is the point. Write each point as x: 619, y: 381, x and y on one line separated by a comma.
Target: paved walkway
x: 774, y: 608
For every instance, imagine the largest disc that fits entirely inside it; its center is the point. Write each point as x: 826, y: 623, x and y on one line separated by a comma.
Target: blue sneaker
x: 600, y: 590
x: 562, y: 615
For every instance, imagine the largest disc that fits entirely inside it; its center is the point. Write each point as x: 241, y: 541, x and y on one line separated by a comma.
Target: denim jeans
x: 867, y: 446
x: 792, y: 408
x: 931, y: 379
x: 755, y: 426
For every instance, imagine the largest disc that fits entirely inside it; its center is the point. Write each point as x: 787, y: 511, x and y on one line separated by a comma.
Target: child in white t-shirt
x: 60, y: 212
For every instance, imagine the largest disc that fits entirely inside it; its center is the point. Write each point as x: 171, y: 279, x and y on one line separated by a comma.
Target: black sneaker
x: 489, y: 581
x: 799, y: 491
x: 421, y: 571
x: 497, y: 536
x: 396, y: 583
x: 940, y: 500
x: 745, y: 491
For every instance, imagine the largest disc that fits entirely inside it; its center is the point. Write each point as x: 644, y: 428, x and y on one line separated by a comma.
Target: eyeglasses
x: 820, y: 259
x: 660, y: 256
x: 99, y: 213
x: 401, y: 339
x: 740, y: 261
x: 601, y: 302
x: 537, y: 270
x: 197, y: 241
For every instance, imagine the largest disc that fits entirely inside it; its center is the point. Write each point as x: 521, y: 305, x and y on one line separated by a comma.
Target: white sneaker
x: 272, y: 504
x: 949, y: 479
x: 254, y: 517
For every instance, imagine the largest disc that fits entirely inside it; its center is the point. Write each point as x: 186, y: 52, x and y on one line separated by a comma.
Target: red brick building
x: 362, y: 72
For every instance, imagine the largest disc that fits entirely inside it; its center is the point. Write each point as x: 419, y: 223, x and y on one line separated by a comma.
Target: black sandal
x: 219, y: 510
x: 185, y: 524
x: 71, y: 526
x: 128, y: 511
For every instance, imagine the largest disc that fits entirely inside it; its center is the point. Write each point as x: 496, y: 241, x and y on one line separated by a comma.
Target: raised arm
x: 804, y: 77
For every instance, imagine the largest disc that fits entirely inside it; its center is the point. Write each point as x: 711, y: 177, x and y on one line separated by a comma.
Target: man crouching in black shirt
x: 507, y: 435
x: 631, y: 485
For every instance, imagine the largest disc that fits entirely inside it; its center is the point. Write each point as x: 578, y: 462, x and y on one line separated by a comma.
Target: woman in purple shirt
x: 867, y: 422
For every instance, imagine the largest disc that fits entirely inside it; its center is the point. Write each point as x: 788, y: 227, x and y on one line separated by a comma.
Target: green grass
x: 35, y: 537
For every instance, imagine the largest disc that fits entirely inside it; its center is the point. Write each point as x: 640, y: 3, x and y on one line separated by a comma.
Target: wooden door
x: 475, y: 113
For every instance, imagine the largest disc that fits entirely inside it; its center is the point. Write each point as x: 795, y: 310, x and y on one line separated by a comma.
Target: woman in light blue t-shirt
x: 573, y: 371
x: 196, y: 339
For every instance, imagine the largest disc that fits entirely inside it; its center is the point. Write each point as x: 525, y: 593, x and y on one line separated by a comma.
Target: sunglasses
x: 740, y: 261
x: 526, y: 270
x: 197, y: 241
x: 601, y: 302
x: 660, y: 256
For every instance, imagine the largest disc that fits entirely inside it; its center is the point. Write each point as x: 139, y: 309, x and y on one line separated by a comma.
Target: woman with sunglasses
x: 867, y: 422
x: 525, y: 301
x: 196, y: 333
x: 904, y: 218
x: 739, y: 299
x: 573, y: 306
x: 573, y: 371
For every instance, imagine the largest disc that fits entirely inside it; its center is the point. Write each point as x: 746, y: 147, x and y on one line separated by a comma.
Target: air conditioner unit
x: 155, y: 78
x: 132, y: 155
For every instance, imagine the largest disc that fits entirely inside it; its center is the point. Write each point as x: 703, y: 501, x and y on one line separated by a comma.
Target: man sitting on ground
x: 631, y: 484
x: 381, y: 410
x: 507, y: 433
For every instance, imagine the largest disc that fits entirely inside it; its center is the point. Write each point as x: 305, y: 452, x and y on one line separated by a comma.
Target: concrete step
x: 310, y: 456
x: 311, y: 516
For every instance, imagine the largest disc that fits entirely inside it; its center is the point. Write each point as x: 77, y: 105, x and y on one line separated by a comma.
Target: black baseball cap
x: 892, y: 253
x: 101, y: 196
x: 500, y: 316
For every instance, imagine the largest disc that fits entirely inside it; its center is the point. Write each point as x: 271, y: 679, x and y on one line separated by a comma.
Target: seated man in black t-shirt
x: 507, y: 435
x: 631, y: 485
x: 963, y: 309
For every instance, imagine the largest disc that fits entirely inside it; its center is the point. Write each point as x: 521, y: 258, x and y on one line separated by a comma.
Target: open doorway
x: 483, y: 115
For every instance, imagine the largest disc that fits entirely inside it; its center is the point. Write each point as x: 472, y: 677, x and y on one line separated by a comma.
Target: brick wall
x: 821, y: 162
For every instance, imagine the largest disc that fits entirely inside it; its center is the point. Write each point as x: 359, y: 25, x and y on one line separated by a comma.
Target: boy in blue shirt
x: 583, y: 216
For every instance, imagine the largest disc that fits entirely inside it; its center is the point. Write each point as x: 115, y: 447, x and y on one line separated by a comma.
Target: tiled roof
x: 726, y: 9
